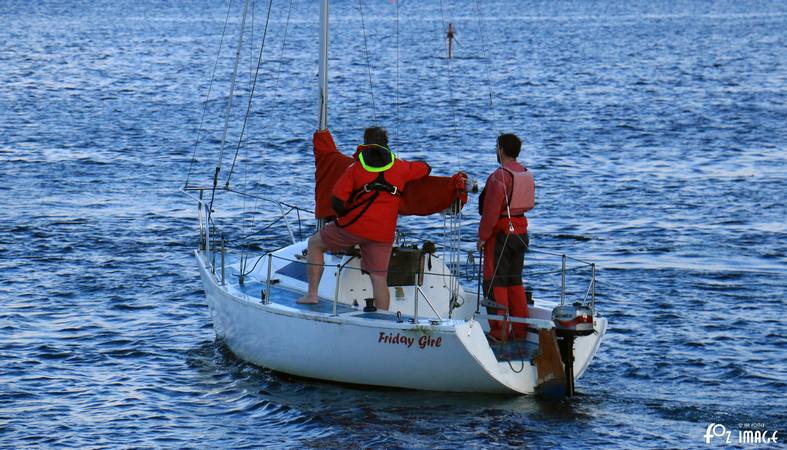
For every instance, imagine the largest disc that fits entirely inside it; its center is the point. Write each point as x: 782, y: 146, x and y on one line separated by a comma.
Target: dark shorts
x: 505, y: 259
x: 374, y: 255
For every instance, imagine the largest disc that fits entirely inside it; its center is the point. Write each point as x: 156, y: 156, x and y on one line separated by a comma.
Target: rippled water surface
x: 656, y: 131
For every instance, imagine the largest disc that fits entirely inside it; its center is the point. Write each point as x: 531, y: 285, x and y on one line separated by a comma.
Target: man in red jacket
x: 502, y: 234
x: 366, y: 201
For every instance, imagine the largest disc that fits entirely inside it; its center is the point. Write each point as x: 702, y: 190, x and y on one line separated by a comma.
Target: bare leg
x: 314, y: 257
x: 382, y: 297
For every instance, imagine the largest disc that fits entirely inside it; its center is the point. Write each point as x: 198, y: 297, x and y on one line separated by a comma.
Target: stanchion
x: 480, y: 275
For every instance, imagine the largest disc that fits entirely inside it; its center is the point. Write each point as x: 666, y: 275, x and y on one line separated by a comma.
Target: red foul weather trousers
x: 504, y: 256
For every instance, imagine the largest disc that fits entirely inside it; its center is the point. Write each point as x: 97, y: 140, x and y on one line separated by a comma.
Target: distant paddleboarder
x: 450, y: 36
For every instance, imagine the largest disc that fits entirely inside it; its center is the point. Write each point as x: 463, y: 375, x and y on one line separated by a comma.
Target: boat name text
x: 398, y: 339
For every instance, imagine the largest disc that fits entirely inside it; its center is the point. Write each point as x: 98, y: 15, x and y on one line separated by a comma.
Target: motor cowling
x: 573, y: 320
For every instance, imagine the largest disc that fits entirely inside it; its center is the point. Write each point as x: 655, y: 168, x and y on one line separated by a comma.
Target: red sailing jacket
x: 423, y: 197
x: 375, y: 213
x: 493, y: 214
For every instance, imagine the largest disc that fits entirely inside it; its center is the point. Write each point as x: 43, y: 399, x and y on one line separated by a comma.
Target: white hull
x: 350, y: 347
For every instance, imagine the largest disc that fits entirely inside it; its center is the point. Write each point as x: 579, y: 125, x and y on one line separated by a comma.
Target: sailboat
x: 427, y: 340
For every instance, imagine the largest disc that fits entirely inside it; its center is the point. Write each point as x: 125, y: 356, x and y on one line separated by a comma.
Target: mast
x: 323, y: 69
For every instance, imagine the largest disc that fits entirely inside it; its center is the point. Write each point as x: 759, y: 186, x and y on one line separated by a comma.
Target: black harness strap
x: 366, y: 204
x: 380, y: 184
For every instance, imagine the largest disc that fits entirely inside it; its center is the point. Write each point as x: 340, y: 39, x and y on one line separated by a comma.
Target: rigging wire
x: 246, y: 236
x: 450, y: 81
x: 486, y: 72
x: 207, y: 97
x: 273, y: 101
x: 229, y: 106
x: 253, y: 82
x: 251, y: 41
x: 243, y: 257
x: 281, y: 54
x: 251, y: 96
x: 396, y: 88
x: 368, y: 62
x: 453, y: 236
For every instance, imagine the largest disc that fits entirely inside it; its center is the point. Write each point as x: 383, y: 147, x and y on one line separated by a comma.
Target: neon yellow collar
x: 376, y: 169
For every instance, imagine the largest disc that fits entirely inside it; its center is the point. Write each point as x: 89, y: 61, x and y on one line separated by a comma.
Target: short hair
x: 510, y: 144
x: 375, y: 135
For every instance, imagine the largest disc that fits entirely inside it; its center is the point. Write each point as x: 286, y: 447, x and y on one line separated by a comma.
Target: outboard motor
x: 571, y: 321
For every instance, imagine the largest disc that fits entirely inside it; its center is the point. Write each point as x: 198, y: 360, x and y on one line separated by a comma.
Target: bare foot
x: 307, y: 300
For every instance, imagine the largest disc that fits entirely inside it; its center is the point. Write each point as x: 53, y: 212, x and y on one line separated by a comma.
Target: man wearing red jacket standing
x: 502, y: 234
x: 366, y: 201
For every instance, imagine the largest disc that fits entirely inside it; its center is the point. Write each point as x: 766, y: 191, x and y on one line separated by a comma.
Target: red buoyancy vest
x: 376, y: 218
x: 514, y: 183
x: 523, y: 191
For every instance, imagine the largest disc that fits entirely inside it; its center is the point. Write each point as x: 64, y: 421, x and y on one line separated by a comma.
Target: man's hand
x: 460, y: 180
x: 480, y: 244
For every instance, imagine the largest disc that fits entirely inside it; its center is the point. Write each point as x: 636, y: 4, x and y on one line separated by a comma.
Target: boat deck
x: 286, y: 297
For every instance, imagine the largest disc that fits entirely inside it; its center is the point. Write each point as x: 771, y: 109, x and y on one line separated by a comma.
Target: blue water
x: 657, y: 132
